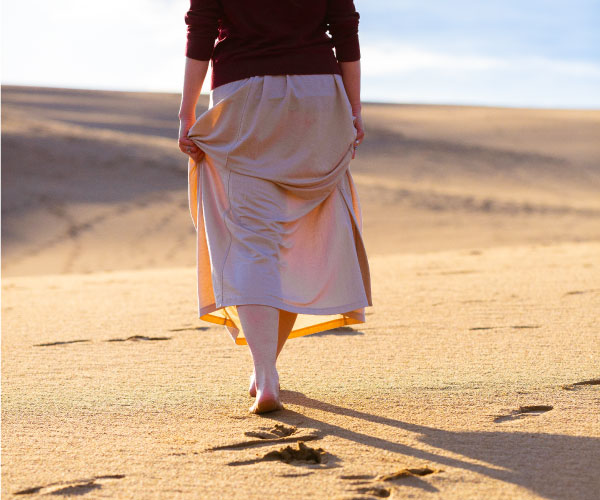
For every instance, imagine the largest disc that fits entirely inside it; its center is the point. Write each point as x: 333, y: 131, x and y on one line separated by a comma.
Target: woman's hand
x: 195, y: 72
x: 360, y: 132
x: 351, y: 79
x: 186, y: 145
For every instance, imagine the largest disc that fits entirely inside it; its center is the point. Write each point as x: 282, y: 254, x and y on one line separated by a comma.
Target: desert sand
x: 476, y: 374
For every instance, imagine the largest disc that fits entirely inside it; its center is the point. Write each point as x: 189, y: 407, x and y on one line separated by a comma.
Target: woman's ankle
x: 265, y: 375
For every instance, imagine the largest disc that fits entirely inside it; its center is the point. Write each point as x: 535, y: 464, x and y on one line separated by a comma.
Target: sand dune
x: 475, y: 376
x: 92, y: 180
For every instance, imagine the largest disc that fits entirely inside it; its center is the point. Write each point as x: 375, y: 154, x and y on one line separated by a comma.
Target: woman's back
x: 279, y: 249
x: 270, y: 37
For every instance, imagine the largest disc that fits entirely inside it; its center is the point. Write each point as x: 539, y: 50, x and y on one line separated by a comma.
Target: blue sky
x: 529, y: 53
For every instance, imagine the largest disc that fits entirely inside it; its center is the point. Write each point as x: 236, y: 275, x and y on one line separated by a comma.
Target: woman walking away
x: 279, y: 249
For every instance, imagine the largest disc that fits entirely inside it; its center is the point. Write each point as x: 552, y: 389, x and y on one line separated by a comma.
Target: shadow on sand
x: 339, y: 331
x: 553, y: 466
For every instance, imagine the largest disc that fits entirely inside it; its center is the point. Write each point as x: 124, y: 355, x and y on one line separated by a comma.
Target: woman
x: 279, y: 249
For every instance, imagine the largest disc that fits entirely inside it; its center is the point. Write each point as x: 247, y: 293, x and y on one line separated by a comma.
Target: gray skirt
x: 275, y: 208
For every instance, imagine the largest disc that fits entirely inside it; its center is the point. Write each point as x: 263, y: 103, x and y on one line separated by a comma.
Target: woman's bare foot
x: 267, y: 393
x: 252, y: 388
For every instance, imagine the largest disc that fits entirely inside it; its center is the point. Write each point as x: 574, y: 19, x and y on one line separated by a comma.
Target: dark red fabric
x: 271, y: 37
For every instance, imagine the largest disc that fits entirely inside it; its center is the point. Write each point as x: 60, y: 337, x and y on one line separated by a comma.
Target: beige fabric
x: 272, y: 199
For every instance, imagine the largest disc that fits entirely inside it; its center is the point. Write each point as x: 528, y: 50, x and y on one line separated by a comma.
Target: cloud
x: 387, y: 59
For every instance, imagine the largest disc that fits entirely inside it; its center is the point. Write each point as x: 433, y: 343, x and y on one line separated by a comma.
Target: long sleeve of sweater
x: 202, y: 28
x: 342, y: 24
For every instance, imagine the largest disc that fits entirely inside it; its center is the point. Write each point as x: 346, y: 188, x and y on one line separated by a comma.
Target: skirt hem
x: 280, y: 304
x: 205, y: 315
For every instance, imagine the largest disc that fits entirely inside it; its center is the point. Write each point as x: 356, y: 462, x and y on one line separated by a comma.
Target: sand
x: 475, y: 375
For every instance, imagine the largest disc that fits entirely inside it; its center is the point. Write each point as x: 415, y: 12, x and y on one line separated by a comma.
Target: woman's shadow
x: 552, y: 465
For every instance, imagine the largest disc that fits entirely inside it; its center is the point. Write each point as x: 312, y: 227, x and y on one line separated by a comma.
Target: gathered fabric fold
x: 275, y: 208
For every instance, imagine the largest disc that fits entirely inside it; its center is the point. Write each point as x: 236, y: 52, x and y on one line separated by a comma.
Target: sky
x: 515, y: 53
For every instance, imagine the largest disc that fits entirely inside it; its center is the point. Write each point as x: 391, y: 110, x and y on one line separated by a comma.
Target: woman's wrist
x: 190, y: 115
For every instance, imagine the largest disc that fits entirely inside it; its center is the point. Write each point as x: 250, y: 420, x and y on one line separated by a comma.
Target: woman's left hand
x: 186, y: 145
x: 360, y: 132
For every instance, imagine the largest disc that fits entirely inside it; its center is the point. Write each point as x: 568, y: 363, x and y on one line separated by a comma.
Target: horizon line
x: 363, y: 101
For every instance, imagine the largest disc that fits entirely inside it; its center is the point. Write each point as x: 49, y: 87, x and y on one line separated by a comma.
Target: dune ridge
x: 81, y: 168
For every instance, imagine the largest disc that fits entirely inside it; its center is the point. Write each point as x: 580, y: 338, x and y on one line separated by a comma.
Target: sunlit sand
x: 475, y: 375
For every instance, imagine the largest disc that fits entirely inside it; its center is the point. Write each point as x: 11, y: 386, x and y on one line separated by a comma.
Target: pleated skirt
x: 276, y: 211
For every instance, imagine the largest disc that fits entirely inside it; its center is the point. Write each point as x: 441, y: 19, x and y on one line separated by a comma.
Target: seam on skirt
x: 228, y: 190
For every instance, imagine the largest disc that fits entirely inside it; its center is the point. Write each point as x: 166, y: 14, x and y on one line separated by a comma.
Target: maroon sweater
x: 271, y: 37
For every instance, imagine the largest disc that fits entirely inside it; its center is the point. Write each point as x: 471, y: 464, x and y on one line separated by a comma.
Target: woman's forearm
x: 351, y: 78
x: 195, y: 73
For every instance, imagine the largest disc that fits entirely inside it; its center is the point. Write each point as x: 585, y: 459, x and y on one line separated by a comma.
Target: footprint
x: 535, y: 408
x: 358, y: 476
x: 277, y: 431
x: 383, y: 491
x: 74, y: 487
x: 524, y: 411
x: 303, y: 454
x: 575, y: 385
x: 377, y: 491
x: 459, y: 271
x: 407, y: 472
x: 579, y: 292
x: 190, y: 328
x: 138, y: 337
x: 512, y: 326
x: 61, y: 342
x: 276, y: 434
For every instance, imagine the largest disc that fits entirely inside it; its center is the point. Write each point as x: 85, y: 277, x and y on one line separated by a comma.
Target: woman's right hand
x: 186, y: 145
x: 360, y: 132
